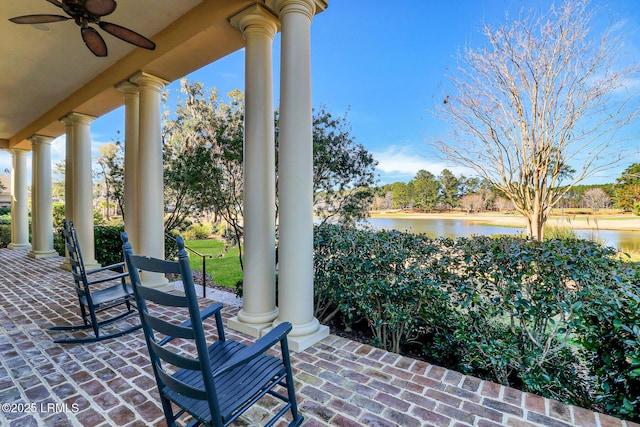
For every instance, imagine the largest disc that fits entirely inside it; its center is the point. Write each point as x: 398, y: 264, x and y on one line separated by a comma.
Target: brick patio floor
x: 339, y: 382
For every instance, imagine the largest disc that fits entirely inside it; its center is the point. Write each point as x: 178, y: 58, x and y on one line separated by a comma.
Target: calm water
x: 623, y: 240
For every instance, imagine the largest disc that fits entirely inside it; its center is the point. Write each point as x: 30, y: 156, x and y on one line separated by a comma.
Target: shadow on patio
x: 339, y: 382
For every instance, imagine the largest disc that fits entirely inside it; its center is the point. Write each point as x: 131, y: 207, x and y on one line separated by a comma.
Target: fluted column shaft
x: 68, y: 167
x: 41, y: 198
x: 258, y: 27
x: 131, y: 133
x: 19, y: 201
x: 68, y: 180
x: 295, y: 169
x: 150, y: 174
x: 82, y: 186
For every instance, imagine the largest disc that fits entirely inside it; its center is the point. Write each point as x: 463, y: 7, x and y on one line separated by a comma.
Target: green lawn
x: 226, y: 270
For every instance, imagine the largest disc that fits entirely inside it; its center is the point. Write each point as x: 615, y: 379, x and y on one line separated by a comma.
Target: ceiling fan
x: 85, y: 12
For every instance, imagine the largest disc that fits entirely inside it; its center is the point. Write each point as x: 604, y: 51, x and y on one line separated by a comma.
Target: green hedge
x: 5, y: 219
x: 528, y: 314
x: 108, y: 246
x: 610, y: 335
x: 5, y: 235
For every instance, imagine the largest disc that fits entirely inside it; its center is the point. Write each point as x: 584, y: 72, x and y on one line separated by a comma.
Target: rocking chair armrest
x: 214, y: 308
x: 107, y: 279
x: 206, y: 313
x: 277, y: 334
x: 118, y: 267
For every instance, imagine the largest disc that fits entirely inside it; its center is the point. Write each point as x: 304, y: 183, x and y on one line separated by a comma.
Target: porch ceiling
x: 46, y: 74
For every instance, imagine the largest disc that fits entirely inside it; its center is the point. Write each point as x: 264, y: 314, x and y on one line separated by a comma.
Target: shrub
x: 5, y: 219
x: 527, y: 314
x: 518, y: 303
x: 5, y: 235
x: 219, y: 229
x: 98, y: 217
x: 611, y: 340
x: 108, y: 244
x: 383, y: 277
x: 197, y: 231
x: 58, y: 241
x: 58, y: 214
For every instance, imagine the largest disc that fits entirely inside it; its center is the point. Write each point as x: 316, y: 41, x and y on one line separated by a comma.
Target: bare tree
x: 503, y: 204
x: 472, y: 202
x: 537, y: 110
x: 596, y: 198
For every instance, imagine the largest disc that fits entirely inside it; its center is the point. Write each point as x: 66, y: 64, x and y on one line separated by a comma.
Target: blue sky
x: 385, y: 65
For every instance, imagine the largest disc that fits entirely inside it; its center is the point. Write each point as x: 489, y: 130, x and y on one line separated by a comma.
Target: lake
x: 436, y: 227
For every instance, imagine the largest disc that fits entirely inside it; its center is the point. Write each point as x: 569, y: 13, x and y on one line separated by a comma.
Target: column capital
x: 307, y: 7
x: 40, y: 139
x: 18, y: 151
x: 127, y: 87
x: 256, y: 18
x: 143, y: 79
x: 73, y: 118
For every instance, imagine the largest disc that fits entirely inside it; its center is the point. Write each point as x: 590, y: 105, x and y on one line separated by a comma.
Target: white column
x: 68, y: 179
x: 295, y: 169
x: 259, y: 291
x: 41, y: 199
x: 19, y: 201
x: 150, y: 175
x: 82, y: 186
x: 131, y: 131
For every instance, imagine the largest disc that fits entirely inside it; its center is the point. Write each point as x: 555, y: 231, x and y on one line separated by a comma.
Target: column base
x: 299, y: 343
x: 90, y: 265
x: 66, y: 265
x: 42, y: 254
x: 252, y: 329
x: 156, y: 281
x: 20, y: 246
x: 251, y: 323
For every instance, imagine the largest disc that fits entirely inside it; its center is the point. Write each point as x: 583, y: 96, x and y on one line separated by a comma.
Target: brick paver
x: 339, y: 382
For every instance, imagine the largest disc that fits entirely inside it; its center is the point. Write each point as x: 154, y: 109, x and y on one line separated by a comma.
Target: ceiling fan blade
x: 127, y: 35
x: 38, y: 19
x: 100, y: 7
x: 94, y: 41
x: 55, y: 2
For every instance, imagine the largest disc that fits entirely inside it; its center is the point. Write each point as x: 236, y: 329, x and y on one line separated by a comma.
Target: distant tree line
x: 427, y: 192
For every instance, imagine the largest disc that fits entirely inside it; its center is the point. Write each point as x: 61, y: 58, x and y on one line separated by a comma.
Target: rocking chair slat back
x: 214, y: 383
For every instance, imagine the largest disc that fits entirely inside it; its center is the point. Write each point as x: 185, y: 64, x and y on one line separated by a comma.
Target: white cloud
x: 402, y: 163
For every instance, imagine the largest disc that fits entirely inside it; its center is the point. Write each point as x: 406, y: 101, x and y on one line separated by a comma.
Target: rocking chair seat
x: 235, y: 386
x: 109, y: 297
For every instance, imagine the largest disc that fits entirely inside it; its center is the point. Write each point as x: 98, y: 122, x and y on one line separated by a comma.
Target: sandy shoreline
x: 578, y: 221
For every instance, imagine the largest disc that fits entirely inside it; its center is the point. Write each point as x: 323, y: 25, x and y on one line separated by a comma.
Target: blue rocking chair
x: 107, y: 290
x: 222, y: 380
